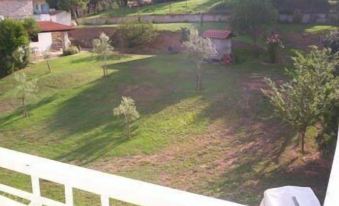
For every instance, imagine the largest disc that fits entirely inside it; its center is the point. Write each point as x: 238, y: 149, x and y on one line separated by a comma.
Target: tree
x: 122, y: 3
x: 199, y: 49
x: 310, y: 94
x: 13, y: 42
x: 31, y: 26
x: 73, y: 6
x: 128, y: 110
x: 251, y: 16
x: 332, y: 41
x: 103, y: 49
x: 25, y: 90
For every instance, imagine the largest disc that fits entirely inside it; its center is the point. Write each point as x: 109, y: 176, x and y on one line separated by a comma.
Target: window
x: 34, y: 38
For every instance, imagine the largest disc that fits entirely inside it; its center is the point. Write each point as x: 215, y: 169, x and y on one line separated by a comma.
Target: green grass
x: 221, y: 142
x: 179, y: 7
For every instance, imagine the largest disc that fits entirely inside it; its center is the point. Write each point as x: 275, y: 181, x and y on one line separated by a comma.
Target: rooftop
x: 49, y: 26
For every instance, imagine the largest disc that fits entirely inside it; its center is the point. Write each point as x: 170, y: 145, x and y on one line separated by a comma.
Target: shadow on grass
x: 155, y: 83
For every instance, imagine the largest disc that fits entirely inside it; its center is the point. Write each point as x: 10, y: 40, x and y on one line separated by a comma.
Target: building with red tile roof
x: 222, y: 40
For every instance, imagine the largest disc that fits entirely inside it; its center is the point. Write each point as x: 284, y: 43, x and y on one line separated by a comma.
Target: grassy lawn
x: 221, y: 142
x: 179, y: 7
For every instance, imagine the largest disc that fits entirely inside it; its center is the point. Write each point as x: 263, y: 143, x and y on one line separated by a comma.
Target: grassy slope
x: 238, y: 150
x: 179, y: 7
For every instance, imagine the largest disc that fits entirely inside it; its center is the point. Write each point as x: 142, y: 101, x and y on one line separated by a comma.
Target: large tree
x: 73, y: 6
x: 13, y: 44
x: 199, y: 49
x: 311, y: 92
x: 252, y: 16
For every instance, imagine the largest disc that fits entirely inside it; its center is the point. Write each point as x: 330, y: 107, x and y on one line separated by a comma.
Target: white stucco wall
x: 223, y: 46
x: 62, y: 17
x: 44, y: 43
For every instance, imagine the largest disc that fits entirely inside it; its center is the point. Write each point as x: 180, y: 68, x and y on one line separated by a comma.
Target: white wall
x: 44, y: 43
x: 332, y: 195
x: 223, y: 46
x: 62, y: 17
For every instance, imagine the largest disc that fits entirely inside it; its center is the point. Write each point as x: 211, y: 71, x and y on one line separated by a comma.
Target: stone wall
x: 16, y: 8
x: 158, y: 19
x: 305, y: 18
x: 310, y: 18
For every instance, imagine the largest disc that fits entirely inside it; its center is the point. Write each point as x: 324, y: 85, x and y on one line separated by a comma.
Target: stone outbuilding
x: 52, y: 37
x: 222, y: 40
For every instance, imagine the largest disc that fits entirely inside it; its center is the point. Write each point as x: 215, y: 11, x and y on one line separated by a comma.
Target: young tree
x: 103, y: 49
x: 251, y: 16
x: 25, y: 90
x: 128, y: 110
x: 311, y: 92
x: 199, y: 49
x: 13, y: 38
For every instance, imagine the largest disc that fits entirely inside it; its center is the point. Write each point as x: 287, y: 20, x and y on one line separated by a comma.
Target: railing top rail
x: 116, y: 187
x: 332, y: 194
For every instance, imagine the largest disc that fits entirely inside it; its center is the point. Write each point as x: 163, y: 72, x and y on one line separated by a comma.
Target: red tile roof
x: 217, y: 34
x: 49, y: 26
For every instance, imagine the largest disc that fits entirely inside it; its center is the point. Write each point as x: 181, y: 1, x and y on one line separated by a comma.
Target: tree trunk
x: 24, y: 106
x: 49, y: 66
x: 198, y: 83
x: 302, y: 140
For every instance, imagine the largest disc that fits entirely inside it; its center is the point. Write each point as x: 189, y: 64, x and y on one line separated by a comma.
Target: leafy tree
x: 25, y: 89
x: 13, y: 43
x: 122, y: 3
x: 252, y: 16
x: 312, y: 91
x: 73, y: 6
x: 128, y: 110
x: 103, y: 49
x: 199, y: 49
x: 332, y: 41
x: 31, y: 26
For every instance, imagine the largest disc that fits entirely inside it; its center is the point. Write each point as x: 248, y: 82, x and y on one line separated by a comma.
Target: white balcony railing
x: 105, y: 185
x: 332, y: 194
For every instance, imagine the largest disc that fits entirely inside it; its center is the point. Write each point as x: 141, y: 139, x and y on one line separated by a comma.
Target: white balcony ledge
x: 105, y: 185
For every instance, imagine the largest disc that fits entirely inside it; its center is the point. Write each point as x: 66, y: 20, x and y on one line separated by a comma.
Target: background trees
x: 199, y: 49
x: 251, y: 16
x: 13, y: 46
x: 312, y: 92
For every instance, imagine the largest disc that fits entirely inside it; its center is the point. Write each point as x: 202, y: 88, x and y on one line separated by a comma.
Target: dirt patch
x: 302, y: 40
x: 230, y: 161
x: 142, y: 93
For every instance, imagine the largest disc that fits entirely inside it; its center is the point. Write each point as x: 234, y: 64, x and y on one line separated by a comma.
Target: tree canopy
x: 250, y: 16
x: 13, y: 40
x: 312, y: 91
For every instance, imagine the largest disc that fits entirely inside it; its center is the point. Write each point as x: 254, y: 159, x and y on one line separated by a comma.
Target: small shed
x: 222, y: 40
x: 52, y: 36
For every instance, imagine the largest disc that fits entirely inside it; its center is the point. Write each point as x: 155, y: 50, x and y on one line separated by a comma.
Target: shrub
x: 134, y: 34
x: 70, y: 51
x: 14, y: 50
